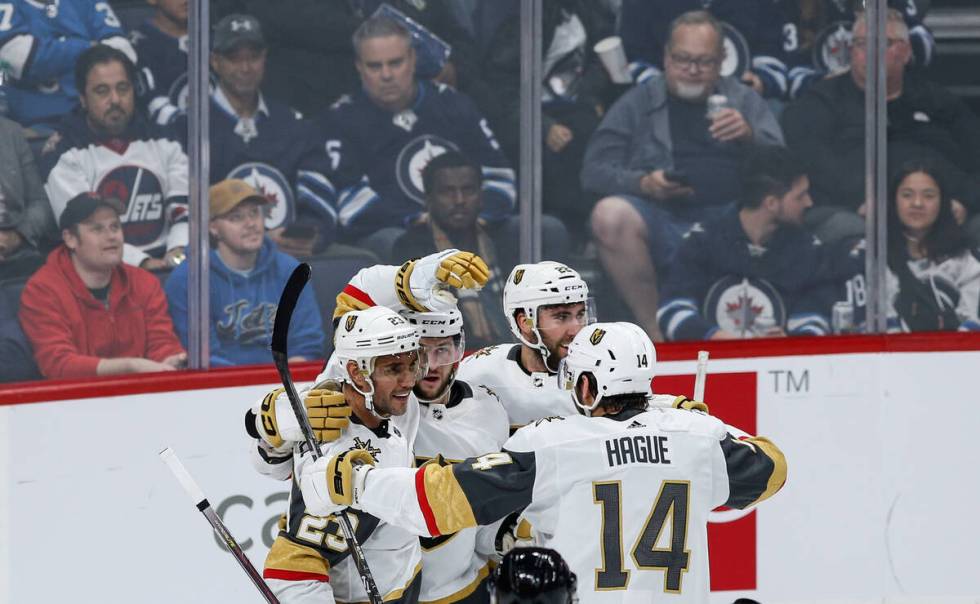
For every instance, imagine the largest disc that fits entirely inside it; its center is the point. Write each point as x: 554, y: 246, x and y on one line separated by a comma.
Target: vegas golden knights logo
x: 597, y: 336
x: 349, y: 324
x: 518, y: 276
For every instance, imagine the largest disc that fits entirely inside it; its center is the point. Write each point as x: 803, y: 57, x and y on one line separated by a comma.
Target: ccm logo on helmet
x: 597, y: 336
x: 434, y: 322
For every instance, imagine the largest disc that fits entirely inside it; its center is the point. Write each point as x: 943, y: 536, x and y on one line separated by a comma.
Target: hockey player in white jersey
x: 458, y: 420
x: 546, y: 304
x: 622, y: 491
x: 309, y: 561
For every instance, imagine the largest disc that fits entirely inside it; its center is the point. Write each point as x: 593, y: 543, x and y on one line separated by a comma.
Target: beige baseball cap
x: 227, y: 194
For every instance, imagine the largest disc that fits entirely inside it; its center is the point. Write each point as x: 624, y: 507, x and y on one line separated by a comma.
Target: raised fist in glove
x: 331, y: 484
x: 277, y: 425
x: 423, y: 284
x: 514, y: 532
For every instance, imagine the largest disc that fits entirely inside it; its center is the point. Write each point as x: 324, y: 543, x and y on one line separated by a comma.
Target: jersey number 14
x: 670, y: 510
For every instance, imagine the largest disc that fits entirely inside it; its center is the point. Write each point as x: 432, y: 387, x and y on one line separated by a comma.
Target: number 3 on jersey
x: 672, y: 503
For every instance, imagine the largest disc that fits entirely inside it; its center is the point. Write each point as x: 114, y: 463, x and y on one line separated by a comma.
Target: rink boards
x: 880, y: 503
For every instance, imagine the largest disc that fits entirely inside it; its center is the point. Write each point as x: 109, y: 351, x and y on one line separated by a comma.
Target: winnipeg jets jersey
x: 163, y: 72
x: 312, y: 548
x: 39, y: 44
x: 144, y: 168
x: 470, y: 423
x: 526, y: 396
x: 624, y: 499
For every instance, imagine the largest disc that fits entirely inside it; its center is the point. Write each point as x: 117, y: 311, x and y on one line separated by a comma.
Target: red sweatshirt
x: 71, y: 331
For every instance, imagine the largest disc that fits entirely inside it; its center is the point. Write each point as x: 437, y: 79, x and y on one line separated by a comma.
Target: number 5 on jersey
x: 672, y: 503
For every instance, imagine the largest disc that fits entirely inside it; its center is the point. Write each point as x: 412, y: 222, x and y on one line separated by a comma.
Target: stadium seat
x: 331, y: 272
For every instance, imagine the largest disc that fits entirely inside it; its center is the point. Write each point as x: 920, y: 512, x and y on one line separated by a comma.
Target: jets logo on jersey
x: 274, y: 186
x: 831, y: 48
x: 748, y: 307
x: 736, y: 52
x: 349, y: 324
x: 140, y: 192
x: 597, y: 336
x: 413, y: 158
x: 180, y: 90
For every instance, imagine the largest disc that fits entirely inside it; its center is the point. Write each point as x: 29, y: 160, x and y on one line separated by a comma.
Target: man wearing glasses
x: 666, y: 156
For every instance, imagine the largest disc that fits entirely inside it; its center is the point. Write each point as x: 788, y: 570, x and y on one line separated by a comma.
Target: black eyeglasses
x: 686, y: 61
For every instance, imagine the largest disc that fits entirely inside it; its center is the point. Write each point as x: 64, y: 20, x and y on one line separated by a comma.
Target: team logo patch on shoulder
x: 597, y: 336
x: 366, y: 445
x: 518, y: 276
x: 489, y: 391
x: 485, y: 352
x: 349, y: 323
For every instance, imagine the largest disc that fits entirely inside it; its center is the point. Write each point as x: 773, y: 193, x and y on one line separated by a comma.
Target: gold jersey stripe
x: 286, y: 555
x: 396, y: 594
x: 347, y: 303
x: 778, y: 476
x: 450, y: 507
x: 465, y: 592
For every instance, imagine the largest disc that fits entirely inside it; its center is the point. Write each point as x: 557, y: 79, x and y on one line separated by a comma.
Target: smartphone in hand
x: 676, y: 176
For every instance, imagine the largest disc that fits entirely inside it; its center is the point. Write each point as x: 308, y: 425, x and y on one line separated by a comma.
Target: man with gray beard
x: 666, y: 156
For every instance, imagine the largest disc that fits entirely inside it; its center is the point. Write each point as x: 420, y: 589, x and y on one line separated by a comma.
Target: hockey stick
x: 701, y: 376
x: 280, y: 333
x: 197, y: 496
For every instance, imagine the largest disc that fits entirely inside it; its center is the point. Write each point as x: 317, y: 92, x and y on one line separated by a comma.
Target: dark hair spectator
x: 146, y: 170
x: 753, y: 271
x: 41, y: 43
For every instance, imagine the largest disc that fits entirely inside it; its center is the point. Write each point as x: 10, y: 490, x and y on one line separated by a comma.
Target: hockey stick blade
x: 280, y: 356
x: 197, y: 496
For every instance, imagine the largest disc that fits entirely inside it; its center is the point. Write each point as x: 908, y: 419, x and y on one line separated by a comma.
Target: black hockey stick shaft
x: 280, y: 334
x: 197, y: 496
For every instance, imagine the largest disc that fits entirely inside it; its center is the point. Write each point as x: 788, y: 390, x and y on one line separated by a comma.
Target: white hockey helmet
x: 364, y: 335
x: 620, y: 357
x: 531, y: 286
x: 439, y: 324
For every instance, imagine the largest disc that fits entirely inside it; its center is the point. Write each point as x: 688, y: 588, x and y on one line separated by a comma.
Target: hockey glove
x: 313, y: 483
x: 682, y: 402
x: 514, y: 532
x: 422, y: 284
x: 277, y: 425
x: 345, y: 475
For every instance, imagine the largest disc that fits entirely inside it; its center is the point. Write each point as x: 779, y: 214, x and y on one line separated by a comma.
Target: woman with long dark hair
x: 933, y: 280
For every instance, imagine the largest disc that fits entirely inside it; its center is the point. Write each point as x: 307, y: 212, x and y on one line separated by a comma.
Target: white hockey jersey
x: 526, y: 396
x: 470, y: 423
x: 311, y: 548
x: 625, y: 499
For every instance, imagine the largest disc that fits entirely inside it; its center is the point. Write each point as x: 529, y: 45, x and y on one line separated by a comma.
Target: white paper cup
x: 610, y: 51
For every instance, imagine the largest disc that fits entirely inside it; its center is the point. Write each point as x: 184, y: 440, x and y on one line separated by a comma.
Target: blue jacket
x: 243, y: 310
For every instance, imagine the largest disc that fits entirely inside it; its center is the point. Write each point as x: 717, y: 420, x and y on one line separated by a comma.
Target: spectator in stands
x: 755, y: 37
x: 247, y: 277
x: 827, y: 126
x: 40, y: 42
x: 109, y: 148
x: 818, y: 34
x: 752, y: 271
x: 575, y: 87
x: 933, y: 279
x: 86, y: 312
x: 663, y: 165
x: 161, y: 43
x: 374, y: 143
x: 454, y: 196
x: 26, y: 222
x: 262, y: 141
x: 309, y: 38
x: 16, y: 357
